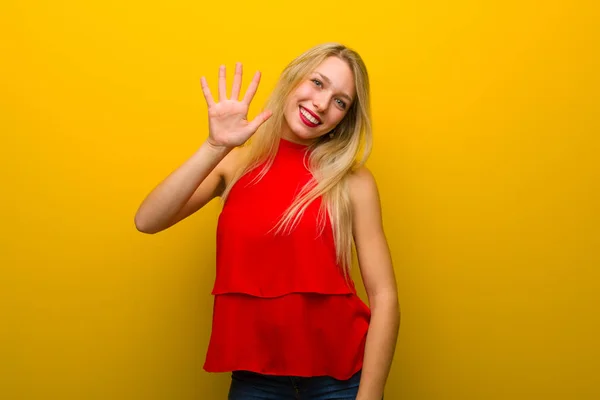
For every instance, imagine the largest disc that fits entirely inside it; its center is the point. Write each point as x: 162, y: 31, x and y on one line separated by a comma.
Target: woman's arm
x: 202, y: 177
x: 184, y: 191
x: 380, y: 284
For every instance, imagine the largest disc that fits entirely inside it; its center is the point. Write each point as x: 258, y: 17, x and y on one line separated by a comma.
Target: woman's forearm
x: 164, y: 202
x: 380, y: 345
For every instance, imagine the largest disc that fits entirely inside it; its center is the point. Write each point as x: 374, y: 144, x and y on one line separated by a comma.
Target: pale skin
x: 326, y: 93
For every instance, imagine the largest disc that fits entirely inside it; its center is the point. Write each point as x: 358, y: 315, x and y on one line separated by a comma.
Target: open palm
x: 228, y: 119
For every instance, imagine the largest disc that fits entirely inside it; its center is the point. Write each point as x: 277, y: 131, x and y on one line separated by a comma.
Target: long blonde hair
x: 331, y: 159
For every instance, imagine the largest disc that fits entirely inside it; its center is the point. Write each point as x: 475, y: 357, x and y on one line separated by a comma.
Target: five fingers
x: 235, y: 89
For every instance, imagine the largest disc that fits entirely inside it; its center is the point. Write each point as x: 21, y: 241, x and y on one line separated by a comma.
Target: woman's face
x: 320, y: 102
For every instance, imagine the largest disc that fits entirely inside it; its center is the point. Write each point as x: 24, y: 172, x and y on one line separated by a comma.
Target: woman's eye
x: 317, y: 82
x: 340, y: 103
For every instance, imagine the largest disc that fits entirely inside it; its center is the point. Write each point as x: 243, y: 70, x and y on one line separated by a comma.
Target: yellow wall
x: 486, y: 121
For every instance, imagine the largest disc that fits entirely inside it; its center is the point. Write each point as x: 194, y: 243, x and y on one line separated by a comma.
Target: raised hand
x: 228, y: 119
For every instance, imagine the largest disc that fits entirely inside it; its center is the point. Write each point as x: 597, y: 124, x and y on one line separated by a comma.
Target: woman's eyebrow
x: 326, y: 79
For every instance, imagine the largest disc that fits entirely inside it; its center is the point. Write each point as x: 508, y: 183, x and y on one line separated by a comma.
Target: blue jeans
x: 253, y: 386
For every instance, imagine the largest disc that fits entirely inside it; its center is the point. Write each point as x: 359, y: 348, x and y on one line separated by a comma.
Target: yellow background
x: 486, y: 124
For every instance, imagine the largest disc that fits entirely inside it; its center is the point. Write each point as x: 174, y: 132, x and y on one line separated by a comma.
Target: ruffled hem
x: 271, y: 293
x: 254, y: 367
x: 298, y: 334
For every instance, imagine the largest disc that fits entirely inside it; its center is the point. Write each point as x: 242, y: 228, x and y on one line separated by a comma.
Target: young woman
x: 287, y: 320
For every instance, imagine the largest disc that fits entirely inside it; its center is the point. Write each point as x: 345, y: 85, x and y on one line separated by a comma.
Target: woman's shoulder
x: 361, y: 178
x: 362, y: 187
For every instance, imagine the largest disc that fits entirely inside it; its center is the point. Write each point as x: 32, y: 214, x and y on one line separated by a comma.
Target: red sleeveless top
x: 281, y: 303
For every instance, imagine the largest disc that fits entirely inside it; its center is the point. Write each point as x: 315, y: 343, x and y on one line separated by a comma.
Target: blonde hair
x: 331, y: 160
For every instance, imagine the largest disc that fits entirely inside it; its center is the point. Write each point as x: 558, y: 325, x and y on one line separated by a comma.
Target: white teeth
x: 309, y: 117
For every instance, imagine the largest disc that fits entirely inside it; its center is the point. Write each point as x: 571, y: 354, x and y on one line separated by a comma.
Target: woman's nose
x: 321, y: 102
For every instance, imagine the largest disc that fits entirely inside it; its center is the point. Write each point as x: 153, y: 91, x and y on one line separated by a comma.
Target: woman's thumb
x: 260, y: 119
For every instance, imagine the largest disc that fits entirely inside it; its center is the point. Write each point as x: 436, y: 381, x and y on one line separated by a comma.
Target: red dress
x: 281, y: 303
